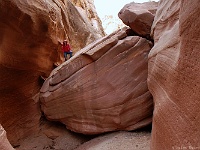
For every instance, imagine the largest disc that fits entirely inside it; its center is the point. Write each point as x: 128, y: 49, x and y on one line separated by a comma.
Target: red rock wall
x: 4, y: 143
x: 174, y: 76
x: 88, y: 11
x: 30, y: 31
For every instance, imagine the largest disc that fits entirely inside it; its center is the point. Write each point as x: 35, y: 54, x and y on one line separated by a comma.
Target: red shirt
x: 66, y: 48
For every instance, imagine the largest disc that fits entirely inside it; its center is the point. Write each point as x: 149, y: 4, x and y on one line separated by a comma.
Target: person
x: 66, y: 49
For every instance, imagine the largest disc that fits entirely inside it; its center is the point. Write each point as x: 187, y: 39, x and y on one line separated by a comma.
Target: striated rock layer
x: 30, y: 31
x: 102, y: 88
x: 139, y: 17
x: 174, y: 75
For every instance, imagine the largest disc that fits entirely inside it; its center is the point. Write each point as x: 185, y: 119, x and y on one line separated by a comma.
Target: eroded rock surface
x: 102, y: 88
x: 174, y: 76
x: 139, y: 17
x: 4, y: 143
x: 30, y: 31
x: 88, y: 12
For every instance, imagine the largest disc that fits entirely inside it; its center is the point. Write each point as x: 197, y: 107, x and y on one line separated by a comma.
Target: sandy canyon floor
x: 52, y: 137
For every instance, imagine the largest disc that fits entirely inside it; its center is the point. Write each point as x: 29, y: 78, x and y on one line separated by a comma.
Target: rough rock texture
x: 88, y: 12
x: 30, y: 31
x: 174, y: 75
x: 102, y: 88
x: 139, y: 17
x: 4, y: 143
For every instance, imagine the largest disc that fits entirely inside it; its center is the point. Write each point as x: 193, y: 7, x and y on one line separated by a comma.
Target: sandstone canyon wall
x: 103, y: 87
x: 88, y: 12
x: 30, y: 31
x: 4, y: 143
x: 174, y: 75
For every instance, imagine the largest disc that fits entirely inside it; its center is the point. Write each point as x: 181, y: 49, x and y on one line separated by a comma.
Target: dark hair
x: 64, y: 43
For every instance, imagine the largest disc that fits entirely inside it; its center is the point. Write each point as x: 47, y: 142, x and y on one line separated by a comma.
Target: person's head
x: 64, y: 42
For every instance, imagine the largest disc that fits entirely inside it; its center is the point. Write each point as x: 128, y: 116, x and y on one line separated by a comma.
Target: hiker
x: 66, y: 49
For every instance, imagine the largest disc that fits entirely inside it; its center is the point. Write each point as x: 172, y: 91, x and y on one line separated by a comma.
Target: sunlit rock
x: 102, y: 88
x: 88, y: 12
x: 139, y: 17
x: 4, y: 143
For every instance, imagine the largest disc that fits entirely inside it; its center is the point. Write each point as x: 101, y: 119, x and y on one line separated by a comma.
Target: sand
x: 121, y: 140
x: 57, y: 137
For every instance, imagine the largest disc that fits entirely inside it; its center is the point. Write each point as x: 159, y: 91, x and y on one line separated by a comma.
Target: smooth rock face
x: 30, y: 31
x: 139, y: 17
x: 167, y: 15
x: 103, y: 88
x: 4, y: 143
x: 174, y: 76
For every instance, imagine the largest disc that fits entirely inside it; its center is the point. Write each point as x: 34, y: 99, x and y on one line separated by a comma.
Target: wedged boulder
x: 30, y: 31
x: 174, y: 76
x: 102, y: 88
x: 139, y: 17
x: 4, y: 143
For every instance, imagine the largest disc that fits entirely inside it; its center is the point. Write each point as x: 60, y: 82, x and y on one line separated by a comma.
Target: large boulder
x: 174, y: 75
x: 102, y: 88
x: 139, y: 17
x: 30, y: 31
x: 4, y: 143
